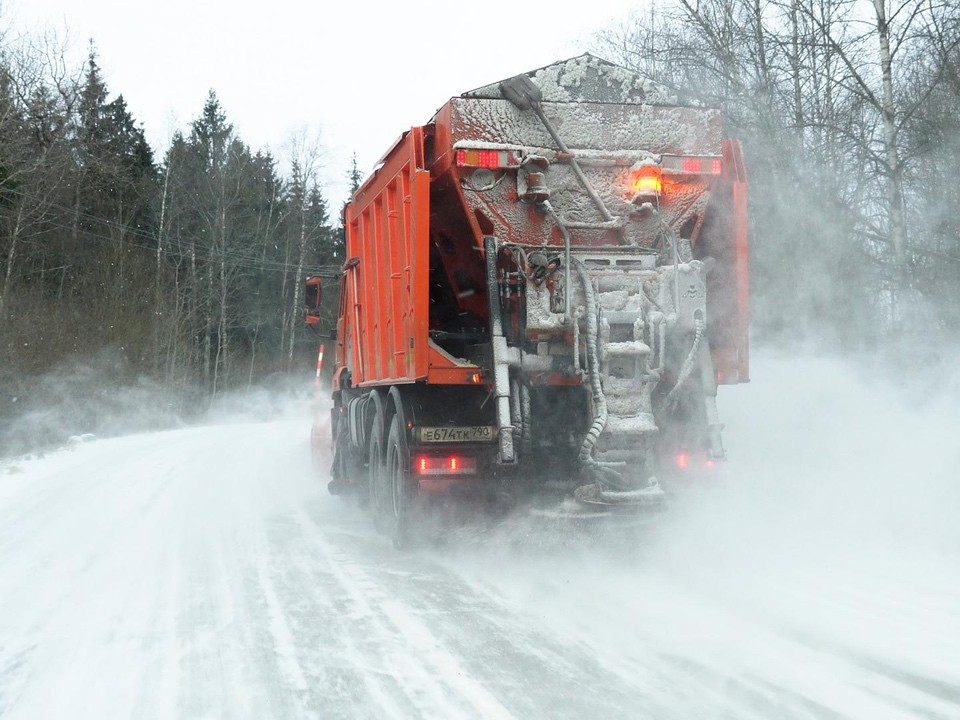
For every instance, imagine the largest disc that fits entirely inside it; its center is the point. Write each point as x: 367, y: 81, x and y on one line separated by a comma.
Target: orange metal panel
x: 743, y: 277
x: 381, y: 251
x: 417, y: 209
x: 445, y: 370
x: 388, y: 230
x: 733, y: 160
x: 397, y: 260
x: 355, y: 317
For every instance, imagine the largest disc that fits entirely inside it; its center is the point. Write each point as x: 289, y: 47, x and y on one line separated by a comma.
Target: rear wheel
x: 379, y: 497
x: 400, y: 484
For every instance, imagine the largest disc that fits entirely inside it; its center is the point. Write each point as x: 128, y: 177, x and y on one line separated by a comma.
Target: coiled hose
x: 604, y: 474
x: 670, y: 401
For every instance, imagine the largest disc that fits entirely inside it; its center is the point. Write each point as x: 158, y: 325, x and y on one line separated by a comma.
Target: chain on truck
x: 545, y: 285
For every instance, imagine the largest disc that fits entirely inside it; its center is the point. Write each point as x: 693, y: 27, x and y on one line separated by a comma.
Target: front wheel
x: 399, y: 483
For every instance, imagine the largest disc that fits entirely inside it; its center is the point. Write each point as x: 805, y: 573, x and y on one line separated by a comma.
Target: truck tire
x: 379, y: 495
x: 399, y: 481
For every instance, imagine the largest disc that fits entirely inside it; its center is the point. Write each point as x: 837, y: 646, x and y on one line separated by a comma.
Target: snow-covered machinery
x: 544, y: 286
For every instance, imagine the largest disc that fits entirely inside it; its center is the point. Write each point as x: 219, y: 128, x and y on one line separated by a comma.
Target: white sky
x: 357, y: 73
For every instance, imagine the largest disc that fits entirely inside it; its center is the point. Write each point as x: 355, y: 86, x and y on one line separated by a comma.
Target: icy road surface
x: 206, y: 573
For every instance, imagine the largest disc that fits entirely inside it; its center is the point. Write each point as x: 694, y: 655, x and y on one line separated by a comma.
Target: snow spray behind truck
x: 545, y: 284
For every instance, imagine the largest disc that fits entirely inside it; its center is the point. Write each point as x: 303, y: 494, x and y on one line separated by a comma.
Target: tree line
x: 849, y: 114
x: 189, y: 267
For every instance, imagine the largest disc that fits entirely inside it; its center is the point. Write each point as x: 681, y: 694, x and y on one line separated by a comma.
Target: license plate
x: 479, y: 433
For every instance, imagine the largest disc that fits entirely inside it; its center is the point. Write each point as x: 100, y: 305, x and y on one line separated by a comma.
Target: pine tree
x: 210, y: 134
x: 354, y: 176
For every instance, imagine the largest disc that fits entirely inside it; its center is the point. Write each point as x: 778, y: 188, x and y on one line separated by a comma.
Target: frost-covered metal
x: 587, y: 78
x: 579, y: 278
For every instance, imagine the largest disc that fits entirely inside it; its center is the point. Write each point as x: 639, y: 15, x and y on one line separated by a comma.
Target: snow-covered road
x: 206, y: 573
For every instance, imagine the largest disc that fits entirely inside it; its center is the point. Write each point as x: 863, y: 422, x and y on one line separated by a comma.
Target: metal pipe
x: 524, y: 94
x: 501, y: 367
x: 567, y: 270
x: 676, y: 275
x: 573, y: 162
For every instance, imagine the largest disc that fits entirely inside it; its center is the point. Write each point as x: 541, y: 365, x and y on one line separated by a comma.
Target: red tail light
x: 488, y: 158
x: 692, y: 165
x: 445, y: 465
x: 686, y: 461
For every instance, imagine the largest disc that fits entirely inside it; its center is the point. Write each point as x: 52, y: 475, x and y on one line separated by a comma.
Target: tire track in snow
x: 344, y: 670
x: 206, y: 574
x: 419, y: 659
x: 692, y: 643
x: 529, y: 672
x: 236, y: 659
x: 284, y: 645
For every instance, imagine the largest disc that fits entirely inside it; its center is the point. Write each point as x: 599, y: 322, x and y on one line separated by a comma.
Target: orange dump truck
x: 545, y: 284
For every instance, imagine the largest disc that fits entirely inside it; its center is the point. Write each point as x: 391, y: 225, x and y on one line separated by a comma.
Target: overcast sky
x: 358, y: 73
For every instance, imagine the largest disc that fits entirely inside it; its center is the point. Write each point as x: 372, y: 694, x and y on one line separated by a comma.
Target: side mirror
x: 311, y: 300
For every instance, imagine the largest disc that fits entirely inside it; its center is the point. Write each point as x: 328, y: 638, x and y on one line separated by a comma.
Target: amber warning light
x: 648, y: 183
x: 488, y: 158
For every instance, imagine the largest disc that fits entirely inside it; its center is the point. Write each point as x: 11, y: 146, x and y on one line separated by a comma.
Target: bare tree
x: 35, y: 98
x: 308, y: 219
x: 827, y: 96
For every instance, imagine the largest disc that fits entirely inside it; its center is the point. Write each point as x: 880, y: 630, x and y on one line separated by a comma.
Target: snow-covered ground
x: 206, y: 573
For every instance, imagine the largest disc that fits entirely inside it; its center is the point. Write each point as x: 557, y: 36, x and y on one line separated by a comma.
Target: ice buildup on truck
x: 544, y: 286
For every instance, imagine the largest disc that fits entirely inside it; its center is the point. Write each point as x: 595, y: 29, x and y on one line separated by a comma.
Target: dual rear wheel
x: 393, y: 492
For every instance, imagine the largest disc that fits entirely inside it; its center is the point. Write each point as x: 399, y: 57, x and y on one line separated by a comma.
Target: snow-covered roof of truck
x: 587, y: 78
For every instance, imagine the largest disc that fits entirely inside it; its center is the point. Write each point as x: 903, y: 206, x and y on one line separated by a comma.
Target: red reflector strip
x: 692, y: 165
x: 685, y: 461
x: 445, y: 465
x: 487, y: 158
